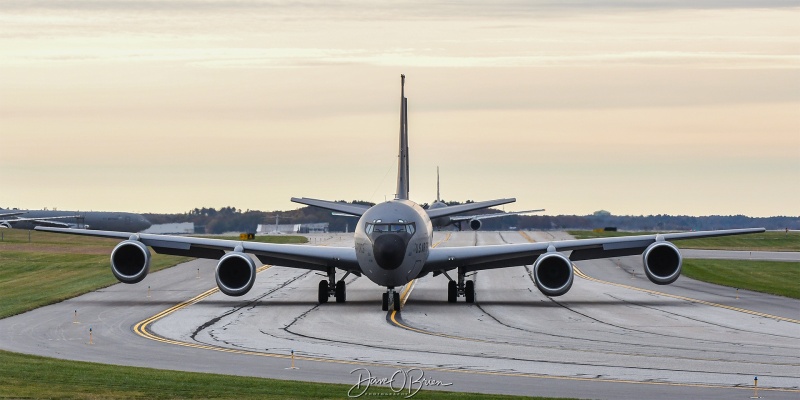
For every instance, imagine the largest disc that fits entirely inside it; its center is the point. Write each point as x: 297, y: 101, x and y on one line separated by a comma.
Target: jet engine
x: 475, y: 224
x: 553, y: 274
x: 236, y: 273
x: 662, y: 263
x: 5, y: 225
x: 130, y: 261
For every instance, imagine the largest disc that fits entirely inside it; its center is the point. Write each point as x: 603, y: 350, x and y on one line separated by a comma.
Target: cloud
x: 418, y: 8
x: 221, y: 57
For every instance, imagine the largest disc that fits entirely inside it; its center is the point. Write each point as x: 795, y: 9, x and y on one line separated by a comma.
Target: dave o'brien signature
x: 402, y: 381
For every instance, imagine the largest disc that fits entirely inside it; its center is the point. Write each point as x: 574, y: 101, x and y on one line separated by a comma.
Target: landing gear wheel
x: 323, y: 292
x: 469, y: 291
x: 396, y: 301
x: 385, y: 304
x: 452, y: 292
x: 341, y: 292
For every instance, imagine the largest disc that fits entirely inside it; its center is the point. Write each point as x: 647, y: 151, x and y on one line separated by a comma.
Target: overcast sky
x: 640, y: 107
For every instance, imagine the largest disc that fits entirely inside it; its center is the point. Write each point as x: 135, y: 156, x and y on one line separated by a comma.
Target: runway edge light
x: 292, y: 367
x: 755, y: 388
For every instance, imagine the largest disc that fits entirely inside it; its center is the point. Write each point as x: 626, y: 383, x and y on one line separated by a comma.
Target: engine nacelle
x: 662, y: 263
x: 5, y: 225
x: 475, y: 224
x: 236, y: 273
x: 553, y: 274
x: 130, y: 261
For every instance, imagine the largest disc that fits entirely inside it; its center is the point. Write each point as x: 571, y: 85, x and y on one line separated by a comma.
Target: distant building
x: 321, y: 227
x: 176, y: 228
x: 292, y: 228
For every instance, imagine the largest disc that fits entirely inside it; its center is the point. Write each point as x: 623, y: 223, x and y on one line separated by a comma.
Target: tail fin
x: 438, y: 198
x: 402, y: 162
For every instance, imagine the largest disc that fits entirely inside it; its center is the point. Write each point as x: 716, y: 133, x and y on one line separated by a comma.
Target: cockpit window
x: 409, y: 228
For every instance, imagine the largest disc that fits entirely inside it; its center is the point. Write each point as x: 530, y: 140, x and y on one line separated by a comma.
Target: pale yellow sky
x: 633, y: 107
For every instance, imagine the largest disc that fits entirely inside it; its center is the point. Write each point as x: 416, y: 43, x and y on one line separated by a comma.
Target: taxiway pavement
x: 614, y: 335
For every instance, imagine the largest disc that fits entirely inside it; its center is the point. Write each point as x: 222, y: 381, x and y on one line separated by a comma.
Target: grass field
x: 38, y: 377
x: 774, y: 277
x: 767, y: 241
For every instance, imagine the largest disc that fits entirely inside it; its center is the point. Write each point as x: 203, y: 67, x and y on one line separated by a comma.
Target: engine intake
x: 553, y: 274
x: 236, y: 274
x: 130, y: 261
x: 475, y: 224
x: 662, y: 263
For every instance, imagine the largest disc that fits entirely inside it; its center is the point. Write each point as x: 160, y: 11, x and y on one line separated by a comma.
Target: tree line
x: 232, y: 219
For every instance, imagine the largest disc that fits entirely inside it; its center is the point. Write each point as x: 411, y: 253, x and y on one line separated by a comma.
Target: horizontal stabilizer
x: 345, y: 208
x: 462, y: 208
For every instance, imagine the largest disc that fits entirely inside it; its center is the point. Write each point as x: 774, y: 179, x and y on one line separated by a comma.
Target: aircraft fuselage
x: 392, y: 242
x: 98, y: 220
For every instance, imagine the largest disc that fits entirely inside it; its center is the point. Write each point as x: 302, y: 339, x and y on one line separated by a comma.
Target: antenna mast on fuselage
x: 402, y: 162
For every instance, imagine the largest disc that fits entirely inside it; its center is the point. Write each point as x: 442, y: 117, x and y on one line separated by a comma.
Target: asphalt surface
x: 613, y: 336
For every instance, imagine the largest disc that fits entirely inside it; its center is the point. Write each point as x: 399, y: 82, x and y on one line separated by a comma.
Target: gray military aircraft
x: 393, y: 247
x: 473, y: 221
x: 101, y: 220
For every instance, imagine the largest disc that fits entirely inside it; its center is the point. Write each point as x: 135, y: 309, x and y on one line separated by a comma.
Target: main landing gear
x: 460, y: 288
x: 395, y: 297
x: 331, y: 288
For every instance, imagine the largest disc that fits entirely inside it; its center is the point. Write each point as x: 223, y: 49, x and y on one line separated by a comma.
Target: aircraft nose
x: 144, y: 223
x: 389, y: 251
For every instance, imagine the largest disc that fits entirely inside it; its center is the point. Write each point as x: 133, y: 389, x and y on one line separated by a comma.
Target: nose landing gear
x: 395, y: 299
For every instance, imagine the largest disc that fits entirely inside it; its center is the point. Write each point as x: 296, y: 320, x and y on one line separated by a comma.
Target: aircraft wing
x: 11, y: 214
x: 345, y: 208
x: 487, y: 216
x: 476, y: 258
x: 462, y: 208
x: 288, y: 255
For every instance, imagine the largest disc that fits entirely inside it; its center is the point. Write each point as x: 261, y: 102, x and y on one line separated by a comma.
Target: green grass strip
x: 30, y: 280
x: 767, y: 241
x: 773, y: 277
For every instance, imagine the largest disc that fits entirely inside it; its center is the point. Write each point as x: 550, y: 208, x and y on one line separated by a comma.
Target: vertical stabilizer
x: 402, y: 162
x: 438, y: 197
